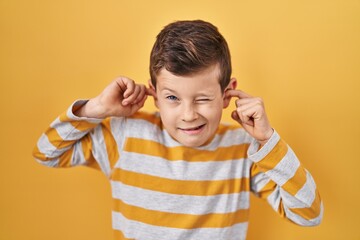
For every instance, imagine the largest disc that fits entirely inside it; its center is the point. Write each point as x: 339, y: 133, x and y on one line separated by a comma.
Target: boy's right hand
x: 121, y: 98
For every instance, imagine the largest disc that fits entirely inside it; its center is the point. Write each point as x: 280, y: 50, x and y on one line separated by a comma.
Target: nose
x: 189, y: 112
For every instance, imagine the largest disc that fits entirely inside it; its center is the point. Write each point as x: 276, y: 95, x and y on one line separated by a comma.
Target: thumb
x: 246, y: 127
x: 235, y: 116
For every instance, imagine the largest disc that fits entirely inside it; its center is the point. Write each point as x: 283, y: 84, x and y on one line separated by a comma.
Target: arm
x: 277, y: 175
x: 83, y: 133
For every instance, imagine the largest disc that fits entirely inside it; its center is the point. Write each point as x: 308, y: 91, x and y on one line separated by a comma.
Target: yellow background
x: 302, y: 57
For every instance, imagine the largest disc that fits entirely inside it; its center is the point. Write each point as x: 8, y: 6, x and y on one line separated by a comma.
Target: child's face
x: 190, y: 106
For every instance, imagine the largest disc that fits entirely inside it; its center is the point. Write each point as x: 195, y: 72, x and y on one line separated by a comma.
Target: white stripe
x: 259, y: 181
x: 49, y: 163
x: 303, y: 199
x: 99, y: 152
x: 48, y: 149
x: 184, y: 170
x: 257, y: 155
x: 307, y: 192
x: 304, y: 222
x: 165, y: 202
x: 134, y: 128
x: 292, y: 201
x: 118, y: 130
x: 78, y: 155
x: 229, y: 138
x: 285, y: 169
x: 274, y: 199
x: 142, y: 231
x: 66, y: 130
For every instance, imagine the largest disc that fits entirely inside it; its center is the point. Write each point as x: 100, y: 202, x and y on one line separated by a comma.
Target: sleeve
x: 73, y: 141
x: 279, y: 177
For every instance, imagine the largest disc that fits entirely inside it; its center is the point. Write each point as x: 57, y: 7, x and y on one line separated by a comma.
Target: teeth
x: 195, y: 128
x: 192, y: 129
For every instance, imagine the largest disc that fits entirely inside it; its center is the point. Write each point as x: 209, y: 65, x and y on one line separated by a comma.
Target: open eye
x: 172, y: 98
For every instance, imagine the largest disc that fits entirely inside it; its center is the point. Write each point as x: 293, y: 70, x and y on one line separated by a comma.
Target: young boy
x: 179, y: 173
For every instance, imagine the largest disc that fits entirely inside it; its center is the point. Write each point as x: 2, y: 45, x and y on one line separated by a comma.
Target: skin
x: 121, y: 98
x: 190, y: 106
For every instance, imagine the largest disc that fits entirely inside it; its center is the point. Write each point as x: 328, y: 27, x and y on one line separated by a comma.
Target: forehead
x: 206, y: 79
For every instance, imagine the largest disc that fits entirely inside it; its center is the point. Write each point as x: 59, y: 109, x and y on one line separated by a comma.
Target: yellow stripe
x: 118, y: 235
x: 153, y: 148
x: 294, y: 184
x: 39, y: 155
x: 254, y: 170
x: 178, y: 220
x: 311, y: 212
x: 274, y: 157
x: 150, y: 117
x: 79, y: 125
x: 65, y: 159
x: 86, y: 146
x: 267, y: 189
x: 57, y: 140
x: 110, y: 143
x: 183, y: 187
x: 224, y: 128
x: 281, y: 209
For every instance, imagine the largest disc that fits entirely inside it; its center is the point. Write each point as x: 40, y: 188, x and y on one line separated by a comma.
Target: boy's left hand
x: 250, y: 113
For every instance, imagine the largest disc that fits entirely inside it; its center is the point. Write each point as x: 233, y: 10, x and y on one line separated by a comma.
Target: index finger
x: 126, y: 85
x: 237, y: 93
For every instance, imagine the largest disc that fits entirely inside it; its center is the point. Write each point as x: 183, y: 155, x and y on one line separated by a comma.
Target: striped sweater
x: 162, y: 190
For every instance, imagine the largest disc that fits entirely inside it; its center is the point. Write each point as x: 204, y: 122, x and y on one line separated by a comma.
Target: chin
x: 193, y: 144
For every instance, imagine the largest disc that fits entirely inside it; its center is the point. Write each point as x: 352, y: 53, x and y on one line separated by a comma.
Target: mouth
x: 193, y: 130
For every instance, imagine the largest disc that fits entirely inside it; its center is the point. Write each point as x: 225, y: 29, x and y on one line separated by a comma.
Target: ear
x: 152, y: 92
x: 231, y: 86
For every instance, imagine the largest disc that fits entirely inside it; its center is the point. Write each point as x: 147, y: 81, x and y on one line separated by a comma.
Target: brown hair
x: 187, y: 47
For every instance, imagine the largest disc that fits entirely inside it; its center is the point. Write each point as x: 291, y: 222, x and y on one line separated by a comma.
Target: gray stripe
x: 303, y: 199
x: 78, y: 155
x: 99, y: 152
x: 259, y: 181
x: 304, y: 222
x: 184, y: 170
x: 50, y: 163
x: 274, y: 198
x: 48, y: 149
x: 307, y: 192
x: 198, y: 205
x: 285, y: 169
x: 66, y: 130
x: 257, y: 155
x: 142, y: 231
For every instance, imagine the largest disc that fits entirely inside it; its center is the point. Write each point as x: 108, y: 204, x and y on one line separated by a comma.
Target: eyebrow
x: 168, y: 89
x: 200, y: 94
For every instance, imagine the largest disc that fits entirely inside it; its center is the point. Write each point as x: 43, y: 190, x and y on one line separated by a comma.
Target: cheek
x: 168, y: 114
x: 165, y: 108
x: 211, y: 111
